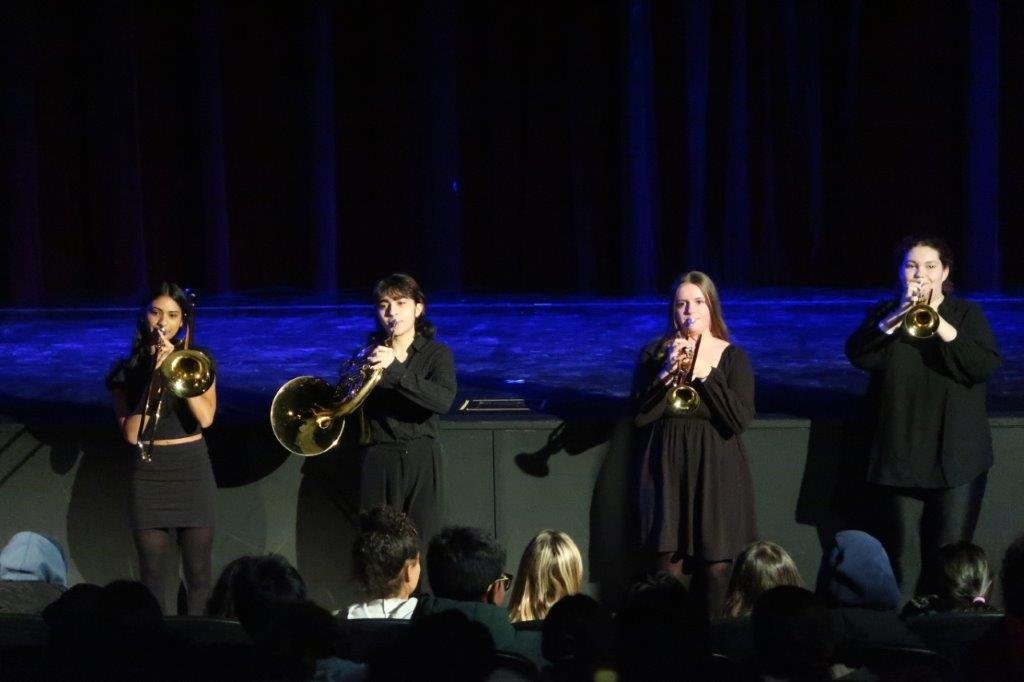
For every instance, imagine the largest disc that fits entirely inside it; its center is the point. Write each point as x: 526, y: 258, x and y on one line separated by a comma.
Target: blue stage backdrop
x: 492, y: 147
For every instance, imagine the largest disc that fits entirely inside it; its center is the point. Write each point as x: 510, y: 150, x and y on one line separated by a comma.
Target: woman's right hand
x: 163, y: 348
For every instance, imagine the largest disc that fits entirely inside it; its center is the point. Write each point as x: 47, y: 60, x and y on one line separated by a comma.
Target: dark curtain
x: 576, y: 146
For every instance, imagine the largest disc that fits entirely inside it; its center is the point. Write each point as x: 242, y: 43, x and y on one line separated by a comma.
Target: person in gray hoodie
x: 33, y: 573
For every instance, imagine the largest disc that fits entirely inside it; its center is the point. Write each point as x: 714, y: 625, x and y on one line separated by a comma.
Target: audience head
x: 551, y: 568
x: 579, y: 638
x: 258, y: 584
x: 662, y: 630
x: 30, y: 556
x: 386, y: 554
x: 465, y: 564
x: 221, y: 603
x: 760, y: 567
x: 961, y: 575
x: 855, y: 571
x: 794, y: 634
x: 1012, y: 578
x: 297, y: 635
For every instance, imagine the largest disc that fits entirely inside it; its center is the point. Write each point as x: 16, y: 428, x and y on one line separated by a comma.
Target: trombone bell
x: 188, y: 373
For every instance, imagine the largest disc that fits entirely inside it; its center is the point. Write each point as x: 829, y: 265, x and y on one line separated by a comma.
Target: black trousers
x: 916, y: 522
x: 407, y: 476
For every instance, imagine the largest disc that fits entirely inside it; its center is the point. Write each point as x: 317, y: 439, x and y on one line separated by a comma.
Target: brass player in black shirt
x: 929, y: 354
x: 401, y: 464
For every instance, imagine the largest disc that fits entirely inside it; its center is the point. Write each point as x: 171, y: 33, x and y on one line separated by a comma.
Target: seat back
x: 362, y: 638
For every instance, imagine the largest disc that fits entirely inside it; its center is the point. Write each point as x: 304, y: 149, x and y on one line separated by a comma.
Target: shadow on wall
x: 327, y: 522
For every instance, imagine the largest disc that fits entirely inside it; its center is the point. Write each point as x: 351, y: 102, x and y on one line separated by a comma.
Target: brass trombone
x: 682, y: 397
x: 185, y: 373
x: 308, y: 414
x: 921, y: 321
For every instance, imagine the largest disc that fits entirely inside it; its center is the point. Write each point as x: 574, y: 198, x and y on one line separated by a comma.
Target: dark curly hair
x: 387, y: 540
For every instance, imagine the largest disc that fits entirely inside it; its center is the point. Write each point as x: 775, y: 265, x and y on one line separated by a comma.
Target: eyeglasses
x: 505, y: 580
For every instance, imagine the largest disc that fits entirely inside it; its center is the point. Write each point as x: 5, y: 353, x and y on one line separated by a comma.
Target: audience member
x: 959, y: 582
x: 386, y: 557
x: 113, y: 633
x: 760, y: 567
x: 465, y: 570
x: 795, y: 636
x: 999, y: 654
x: 221, y: 603
x: 551, y: 568
x: 579, y: 639
x: 663, y: 632
x: 857, y: 581
x: 33, y: 573
x: 446, y: 645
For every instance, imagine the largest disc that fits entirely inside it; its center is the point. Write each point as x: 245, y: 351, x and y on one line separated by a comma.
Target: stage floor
x: 564, y: 356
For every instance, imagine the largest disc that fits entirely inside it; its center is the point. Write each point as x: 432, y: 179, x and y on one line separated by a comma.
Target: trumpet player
x: 401, y: 466
x: 929, y: 354
x: 695, y: 497
x: 172, y: 486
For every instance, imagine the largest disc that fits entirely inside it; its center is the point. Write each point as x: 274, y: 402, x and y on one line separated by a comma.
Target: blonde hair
x: 707, y: 287
x: 761, y: 566
x: 551, y: 568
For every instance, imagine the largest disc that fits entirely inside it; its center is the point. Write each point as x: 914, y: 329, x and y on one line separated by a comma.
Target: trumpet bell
x: 682, y: 399
x: 303, y: 416
x: 188, y: 373
x: 921, y: 321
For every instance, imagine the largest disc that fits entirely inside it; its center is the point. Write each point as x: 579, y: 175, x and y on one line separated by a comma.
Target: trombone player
x: 929, y: 354
x: 164, y: 395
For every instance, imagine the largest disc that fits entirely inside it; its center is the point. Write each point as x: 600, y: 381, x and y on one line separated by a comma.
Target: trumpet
x: 921, y: 321
x: 308, y: 414
x: 185, y: 373
x: 682, y: 397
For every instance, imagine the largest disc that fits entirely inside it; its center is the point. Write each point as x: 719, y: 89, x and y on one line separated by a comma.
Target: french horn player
x: 393, y: 391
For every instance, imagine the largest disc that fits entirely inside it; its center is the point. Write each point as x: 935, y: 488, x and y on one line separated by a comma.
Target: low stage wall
x: 511, y: 476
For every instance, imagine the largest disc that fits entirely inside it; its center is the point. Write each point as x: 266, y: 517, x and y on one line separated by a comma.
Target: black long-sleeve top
x: 176, y: 418
x: 932, y: 429
x: 406, y: 403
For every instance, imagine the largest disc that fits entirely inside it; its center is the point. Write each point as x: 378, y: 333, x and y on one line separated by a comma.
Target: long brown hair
x: 710, y: 291
x: 761, y: 566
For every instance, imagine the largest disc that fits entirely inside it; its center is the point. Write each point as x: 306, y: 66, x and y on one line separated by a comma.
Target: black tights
x: 708, y: 581
x: 154, y: 544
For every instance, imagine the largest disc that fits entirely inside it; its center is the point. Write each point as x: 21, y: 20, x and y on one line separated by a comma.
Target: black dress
x: 176, y: 489
x: 694, y: 494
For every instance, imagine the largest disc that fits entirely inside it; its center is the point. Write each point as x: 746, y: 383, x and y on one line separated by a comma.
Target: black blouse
x: 176, y: 419
x: 406, y: 403
x: 932, y: 428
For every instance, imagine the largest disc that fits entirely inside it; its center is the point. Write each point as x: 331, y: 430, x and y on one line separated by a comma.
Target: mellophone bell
x: 393, y: 390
